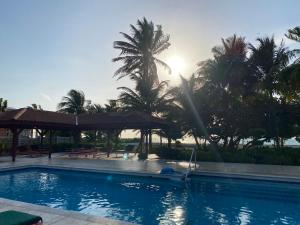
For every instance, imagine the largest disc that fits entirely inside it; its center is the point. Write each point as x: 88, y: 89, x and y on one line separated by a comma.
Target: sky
x: 49, y: 47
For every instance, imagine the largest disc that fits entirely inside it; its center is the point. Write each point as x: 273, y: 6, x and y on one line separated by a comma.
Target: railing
x: 193, y: 155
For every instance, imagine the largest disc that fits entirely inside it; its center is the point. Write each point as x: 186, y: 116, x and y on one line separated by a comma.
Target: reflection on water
x: 206, y: 200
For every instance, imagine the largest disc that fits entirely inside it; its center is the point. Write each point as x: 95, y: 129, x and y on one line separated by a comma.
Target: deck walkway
x: 153, y: 166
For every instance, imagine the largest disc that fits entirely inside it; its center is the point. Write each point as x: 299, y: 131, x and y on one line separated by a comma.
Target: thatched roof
x: 28, y: 118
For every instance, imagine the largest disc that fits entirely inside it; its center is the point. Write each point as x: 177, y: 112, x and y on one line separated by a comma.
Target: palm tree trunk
x: 197, y: 142
x: 142, y: 141
x: 160, y: 141
x: 150, y: 141
x: 147, y: 144
x: 169, y: 142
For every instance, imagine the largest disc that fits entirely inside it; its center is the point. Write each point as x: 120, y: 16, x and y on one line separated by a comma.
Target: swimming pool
x: 153, y: 201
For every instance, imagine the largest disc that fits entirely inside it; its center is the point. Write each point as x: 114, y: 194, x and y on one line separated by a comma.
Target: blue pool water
x: 152, y: 201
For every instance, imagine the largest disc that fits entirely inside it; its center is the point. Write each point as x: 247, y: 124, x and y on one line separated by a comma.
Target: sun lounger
x: 129, y: 148
x: 12, y: 217
x: 82, y: 152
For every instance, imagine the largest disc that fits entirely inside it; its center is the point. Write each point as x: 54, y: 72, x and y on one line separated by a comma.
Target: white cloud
x: 47, y: 97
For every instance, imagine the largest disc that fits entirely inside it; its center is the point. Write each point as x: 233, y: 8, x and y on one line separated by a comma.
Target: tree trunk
x: 142, y: 141
x: 150, y: 141
x: 196, y: 140
x: 169, y: 143
x: 160, y: 141
x: 147, y: 144
x: 225, y: 142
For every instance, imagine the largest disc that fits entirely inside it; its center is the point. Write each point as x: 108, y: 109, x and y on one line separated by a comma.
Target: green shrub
x: 142, y: 156
x: 261, y: 155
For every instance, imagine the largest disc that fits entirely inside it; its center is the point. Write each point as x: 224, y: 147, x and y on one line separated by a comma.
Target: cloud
x: 46, y: 97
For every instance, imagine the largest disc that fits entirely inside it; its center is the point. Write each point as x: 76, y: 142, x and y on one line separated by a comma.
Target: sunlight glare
x: 176, y: 64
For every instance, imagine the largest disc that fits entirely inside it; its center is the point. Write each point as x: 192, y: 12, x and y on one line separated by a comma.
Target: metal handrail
x: 194, y: 153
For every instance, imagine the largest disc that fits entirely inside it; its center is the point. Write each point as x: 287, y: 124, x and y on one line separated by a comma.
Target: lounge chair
x: 129, y: 148
x: 82, y: 152
x: 12, y: 217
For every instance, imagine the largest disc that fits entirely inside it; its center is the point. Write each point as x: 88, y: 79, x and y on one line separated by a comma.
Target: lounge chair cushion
x: 12, y: 217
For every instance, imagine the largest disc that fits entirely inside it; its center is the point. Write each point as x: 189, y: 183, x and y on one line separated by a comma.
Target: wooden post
x: 41, y: 133
x: 50, y: 144
x: 147, y: 143
x: 15, y: 141
x: 14, y: 144
x: 142, y: 141
x: 109, y: 145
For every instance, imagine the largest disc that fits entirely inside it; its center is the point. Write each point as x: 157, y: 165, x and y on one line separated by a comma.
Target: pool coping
x: 61, y: 212
x: 178, y: 176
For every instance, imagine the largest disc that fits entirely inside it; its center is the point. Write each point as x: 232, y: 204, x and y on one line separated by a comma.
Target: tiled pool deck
x: 57, y: 216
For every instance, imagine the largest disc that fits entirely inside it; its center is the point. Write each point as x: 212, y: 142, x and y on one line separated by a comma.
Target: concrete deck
x: 56, y: 216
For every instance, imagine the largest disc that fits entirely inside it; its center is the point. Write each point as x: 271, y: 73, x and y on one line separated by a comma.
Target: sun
x: 176, y: 64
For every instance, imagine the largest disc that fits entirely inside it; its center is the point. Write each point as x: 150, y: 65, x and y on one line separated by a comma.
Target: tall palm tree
x: 74, y: 103
x: 3, y: 105
x: 140, y: 49
x: 269, y: 60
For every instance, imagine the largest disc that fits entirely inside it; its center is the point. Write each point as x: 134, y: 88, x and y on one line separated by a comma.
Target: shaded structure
x: 48, y: 121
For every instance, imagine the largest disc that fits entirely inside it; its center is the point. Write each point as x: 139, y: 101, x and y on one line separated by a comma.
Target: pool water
x: 153, y: 201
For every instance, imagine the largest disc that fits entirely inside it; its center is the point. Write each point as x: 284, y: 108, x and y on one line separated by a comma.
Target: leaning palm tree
x: 140, y: 49
x: 3, y: 105
x: 73, y: 103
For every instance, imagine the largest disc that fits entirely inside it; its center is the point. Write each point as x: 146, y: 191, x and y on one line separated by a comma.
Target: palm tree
x: 93, y: 135
x: 112, y: 135
x: 3, y: 105
x: 74, y: 103
x: 151, y: 100
x: 149, y: 97
x: 294, y: 34
x: 269, y: 60
x: 35, y: 106
x: 140, y: 49
x: 95, y: 108
x: 112, y: 106
x: 226, y: 80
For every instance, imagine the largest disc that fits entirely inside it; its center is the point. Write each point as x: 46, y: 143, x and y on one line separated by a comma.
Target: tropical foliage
x: 74, y: 103
x: 140, y: 49
x: 3, y: 105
